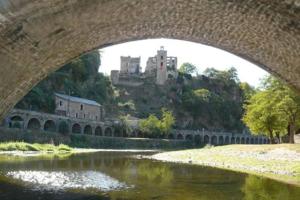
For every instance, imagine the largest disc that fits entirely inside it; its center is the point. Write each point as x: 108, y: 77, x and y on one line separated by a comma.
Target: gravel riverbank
x: 280, y: 162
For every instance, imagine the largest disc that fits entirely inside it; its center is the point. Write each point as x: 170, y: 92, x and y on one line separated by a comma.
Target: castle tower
x: 161, y: 66
x: 130, y: 65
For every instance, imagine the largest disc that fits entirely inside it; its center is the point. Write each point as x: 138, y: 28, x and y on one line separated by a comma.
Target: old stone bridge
x: 217, y: 138
x: 37, y: 37
x: 32, y: 120
x: 44, y: 122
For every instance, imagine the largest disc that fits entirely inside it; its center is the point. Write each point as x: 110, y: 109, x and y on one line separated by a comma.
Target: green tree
x: 262, y: 188
x: 150, y: 126
x: 78, y: 78
x: 226, y: 75
x: 167, y: 121
x: 187, y: 68
x: 124, y: 123
x: 154, y: 127
x: 262, y: 117
x: 248, y: 90
x: 288, y: 103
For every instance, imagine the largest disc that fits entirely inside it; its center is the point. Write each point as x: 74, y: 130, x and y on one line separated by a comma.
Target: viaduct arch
x: 37, y: 37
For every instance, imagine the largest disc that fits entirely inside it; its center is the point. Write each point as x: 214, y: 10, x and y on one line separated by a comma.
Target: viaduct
x: 44, y: 122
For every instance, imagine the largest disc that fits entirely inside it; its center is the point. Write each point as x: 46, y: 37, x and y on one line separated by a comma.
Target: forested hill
x: 78, y: 78
x: 213, y: 100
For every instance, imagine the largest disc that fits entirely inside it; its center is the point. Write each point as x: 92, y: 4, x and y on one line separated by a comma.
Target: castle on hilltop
x: 162, y: 67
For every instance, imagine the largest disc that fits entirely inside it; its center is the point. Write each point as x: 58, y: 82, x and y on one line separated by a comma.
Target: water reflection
x: 261, y: 188
x: 43, y: 180
x: 112, y: 175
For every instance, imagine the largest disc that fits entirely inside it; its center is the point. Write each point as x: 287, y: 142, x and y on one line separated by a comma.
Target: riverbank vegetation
x: 90, y: 141
x: 78, y: 78
x: 281, y: 162
x: 213, y: 100
x: 153, y: 127
x: 274, y: 111
x: 23, y: 146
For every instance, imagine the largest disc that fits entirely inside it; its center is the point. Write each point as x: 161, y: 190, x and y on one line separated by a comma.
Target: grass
x: 23, y: 146
x: 280, y: 162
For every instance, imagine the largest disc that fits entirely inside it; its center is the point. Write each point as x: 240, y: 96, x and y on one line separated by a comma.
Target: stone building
x: 114, y: 76
x: 163, y: 66
x: 130, y: 65
x: 75, y: 107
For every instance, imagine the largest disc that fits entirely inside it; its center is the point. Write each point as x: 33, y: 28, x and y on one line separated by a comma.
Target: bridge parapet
x: 26, y: 119
x: 217, y: 138
x: 34, y: 120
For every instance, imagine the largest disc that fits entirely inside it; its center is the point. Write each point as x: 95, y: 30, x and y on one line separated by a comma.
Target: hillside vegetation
x: 213, y: 100
x: 78, y: 78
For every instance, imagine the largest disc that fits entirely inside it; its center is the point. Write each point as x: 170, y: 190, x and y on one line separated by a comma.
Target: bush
x: 23, y: 146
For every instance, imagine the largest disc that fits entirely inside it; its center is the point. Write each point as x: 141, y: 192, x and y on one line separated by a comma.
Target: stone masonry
x: 37, y: 37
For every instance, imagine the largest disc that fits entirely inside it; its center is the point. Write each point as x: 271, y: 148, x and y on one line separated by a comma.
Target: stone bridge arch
x: 206, y: 139
x: 50, y: 125
x: 33, y: 124
x: 88, y: 130
x: 63, y: 127
x: 221, y: 140
x: 179, y: 136
x: 38, y: 37
x: 214, y: 140
x: 98, y: 131
x: 76, y: 128
x: 108, y: 132
x: 227, y: 141
x: 197, y: 139
x: 16, y: 121
x: 232, y: 140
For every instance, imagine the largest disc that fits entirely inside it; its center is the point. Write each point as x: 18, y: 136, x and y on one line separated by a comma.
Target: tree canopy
x: 157, y: 128
x: 78, y: 78
x: 275, y: 110
x: 187, y: 68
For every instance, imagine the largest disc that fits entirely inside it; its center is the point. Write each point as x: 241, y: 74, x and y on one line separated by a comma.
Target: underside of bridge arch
x: 76, y: 128
x: 98, y: 131
x: 108, y: 132
x: 33, y: 124
x: 50, y: 126
x: 88, y: 130
x: 63, y: 127
x: 16, y: 122
x: 37, y: 37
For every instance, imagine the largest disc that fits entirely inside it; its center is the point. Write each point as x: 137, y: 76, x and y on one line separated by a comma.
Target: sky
x: 200, y: 55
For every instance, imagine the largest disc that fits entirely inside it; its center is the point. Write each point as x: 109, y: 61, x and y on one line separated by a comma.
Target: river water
x: 123, y: 176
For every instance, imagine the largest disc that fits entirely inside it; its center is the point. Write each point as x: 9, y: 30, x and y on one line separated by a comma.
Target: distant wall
x: 89, y: 141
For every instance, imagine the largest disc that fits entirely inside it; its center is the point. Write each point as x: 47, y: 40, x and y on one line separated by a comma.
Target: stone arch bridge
x: 38, y: 37
x: 38, y: 121
x: 217, y: 138
x: 45, y: 122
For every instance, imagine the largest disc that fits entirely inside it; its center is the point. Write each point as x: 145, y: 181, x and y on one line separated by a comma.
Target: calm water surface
x: 120, y: 176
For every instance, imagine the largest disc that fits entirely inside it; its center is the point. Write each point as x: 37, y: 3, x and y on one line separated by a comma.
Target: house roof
x: 77, y: 99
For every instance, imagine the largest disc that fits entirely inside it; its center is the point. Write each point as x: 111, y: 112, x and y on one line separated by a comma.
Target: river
x: 125, y: 176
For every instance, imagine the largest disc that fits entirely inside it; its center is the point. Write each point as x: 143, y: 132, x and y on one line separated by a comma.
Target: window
x: 96, y: 117
x: 83, y: 115
x: 161, y: 57
x: 60, y: 103
x: 81, y: 107
x: 76, y: 115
